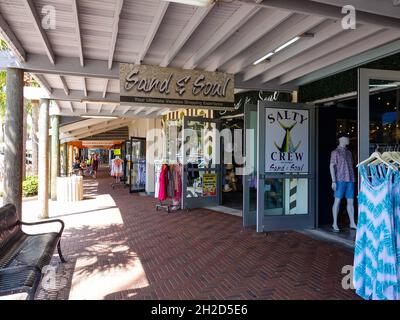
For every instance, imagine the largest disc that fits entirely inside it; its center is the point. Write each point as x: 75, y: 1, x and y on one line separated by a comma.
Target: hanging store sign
x: 166, y: 87
x: 286, y: 140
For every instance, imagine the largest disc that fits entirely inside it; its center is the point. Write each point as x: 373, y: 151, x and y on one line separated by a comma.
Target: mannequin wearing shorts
x: 342, y: 173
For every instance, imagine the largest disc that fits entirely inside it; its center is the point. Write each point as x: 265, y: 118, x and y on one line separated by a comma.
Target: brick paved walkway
x: 119, y: 247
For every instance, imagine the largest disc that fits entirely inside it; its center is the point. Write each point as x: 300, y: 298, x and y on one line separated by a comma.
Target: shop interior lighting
x: 283, y: 46
x: 98, y: 117
x: 198, y: 3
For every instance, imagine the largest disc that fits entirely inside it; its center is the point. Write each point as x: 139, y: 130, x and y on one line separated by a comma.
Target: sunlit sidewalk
x: 119, y: 247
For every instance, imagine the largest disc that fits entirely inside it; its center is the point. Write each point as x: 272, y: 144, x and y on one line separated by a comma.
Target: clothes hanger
x: 376, y: 156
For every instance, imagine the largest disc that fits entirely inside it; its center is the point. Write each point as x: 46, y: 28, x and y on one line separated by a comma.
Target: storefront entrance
x: 286, y: 166
x: 200, y: 156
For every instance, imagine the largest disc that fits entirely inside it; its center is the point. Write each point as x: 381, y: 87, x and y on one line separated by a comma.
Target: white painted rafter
x: 341, y: 41
x: 184, y: 36
x: 261, y: 24
x: 114, y: 32
x: 105, y: 88
x: 37, y: 21
x: 239, y: 18
x: 64, y: 85
x: 78, y: 30
x: 374, y: 41
x: 151, y: 33
x: 13, y: 42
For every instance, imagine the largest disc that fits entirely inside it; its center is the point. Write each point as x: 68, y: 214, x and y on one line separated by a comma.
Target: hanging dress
x: 396, y: 200
x: 375, y: 263
x: 163, y: 182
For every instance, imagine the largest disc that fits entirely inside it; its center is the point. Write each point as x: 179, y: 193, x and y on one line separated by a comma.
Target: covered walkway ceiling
x: 77, y: 62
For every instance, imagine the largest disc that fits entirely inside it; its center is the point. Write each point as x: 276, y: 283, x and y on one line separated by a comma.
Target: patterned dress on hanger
x: 375, y: 263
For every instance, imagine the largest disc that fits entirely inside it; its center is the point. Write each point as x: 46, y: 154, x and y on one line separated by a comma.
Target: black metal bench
x: 22, y: 255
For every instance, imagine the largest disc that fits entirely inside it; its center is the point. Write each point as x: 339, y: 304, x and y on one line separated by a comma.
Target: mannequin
x: 342, y: 174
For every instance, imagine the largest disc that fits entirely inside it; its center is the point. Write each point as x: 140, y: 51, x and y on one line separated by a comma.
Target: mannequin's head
x: 344, y: 141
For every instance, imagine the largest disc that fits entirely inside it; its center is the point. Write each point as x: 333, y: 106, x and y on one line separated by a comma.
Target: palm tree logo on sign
x: 287, y: 143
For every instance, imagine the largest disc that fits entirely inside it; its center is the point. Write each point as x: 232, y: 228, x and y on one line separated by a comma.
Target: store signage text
x: 141, y: 84
x: 286, y: 141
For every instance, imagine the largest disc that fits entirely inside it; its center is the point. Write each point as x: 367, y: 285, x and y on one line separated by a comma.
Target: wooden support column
x: 35, y: 137
x: 13, y: 139
x: 43, y: 195
x: 55, y: 155
x: 64, y: 159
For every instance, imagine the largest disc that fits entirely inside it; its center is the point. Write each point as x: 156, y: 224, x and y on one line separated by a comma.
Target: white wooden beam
x: 65, y: 85
x: 100, y: 108
x: 70, y: 67
x: 374, y: 41
x: 84, y: 86
x: 286, y: 31
x: 127, y: 108
x: 105, y: 88
x: 138, y: 110
x: 75, y: 12
x: 78, y: 96
x: 254, y: 30
x: 151, y: 33
x: 341, y: 41
x: 11, y: 39
x: 43, y: 82
x: 37, y: 21
x: 103, y: 129
x: 71, y: 107
x: 332, y: 11
x: 85, y: 105
x: 184, y: 36
x: 79, y: 125
x: 114, y: 32
x: 150, y: 111
x: 113, y: 109
x: 240, y: 17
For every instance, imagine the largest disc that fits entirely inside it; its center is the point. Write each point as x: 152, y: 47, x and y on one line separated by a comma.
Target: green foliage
x: 30, y: 186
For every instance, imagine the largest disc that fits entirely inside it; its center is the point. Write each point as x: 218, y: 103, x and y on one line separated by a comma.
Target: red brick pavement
x: 199, y: 255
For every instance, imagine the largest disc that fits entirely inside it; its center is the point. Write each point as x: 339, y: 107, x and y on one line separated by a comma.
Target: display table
x: 70, y: 189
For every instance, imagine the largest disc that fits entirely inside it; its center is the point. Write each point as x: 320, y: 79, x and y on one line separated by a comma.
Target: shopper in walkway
x: 95, y: 164
x: 76, y: 167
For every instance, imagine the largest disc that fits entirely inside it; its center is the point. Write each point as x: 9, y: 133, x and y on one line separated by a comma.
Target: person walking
x: 95, y: 165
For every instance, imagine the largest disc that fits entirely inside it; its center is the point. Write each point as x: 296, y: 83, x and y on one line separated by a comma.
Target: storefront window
x: 285, y: 197
x: 384, y: 115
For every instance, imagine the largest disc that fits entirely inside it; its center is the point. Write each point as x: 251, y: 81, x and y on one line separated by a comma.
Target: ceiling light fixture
x: 98, y: 117
x: 283, y: 46
x: 198, y: 3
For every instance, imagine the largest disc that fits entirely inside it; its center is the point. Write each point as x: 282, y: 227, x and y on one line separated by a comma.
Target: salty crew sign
x: 154, y: 86
x: 286, y: 140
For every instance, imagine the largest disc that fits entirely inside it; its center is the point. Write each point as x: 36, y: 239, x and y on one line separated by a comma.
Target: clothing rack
x: 117, y: 182
x: 168, y: 204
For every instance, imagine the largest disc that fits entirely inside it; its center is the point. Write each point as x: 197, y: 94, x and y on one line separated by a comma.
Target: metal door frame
x: 249, y: 218
x: 143, y: 140
x: 284, y: 222
x: 364, y: 76
x: 190, y: 203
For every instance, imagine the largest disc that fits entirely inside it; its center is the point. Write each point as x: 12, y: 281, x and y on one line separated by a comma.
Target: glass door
x: 138, y: 165
x: 127, y: 162
x: 286, y: 166
x: 201, y: 163
x: 249, y: 175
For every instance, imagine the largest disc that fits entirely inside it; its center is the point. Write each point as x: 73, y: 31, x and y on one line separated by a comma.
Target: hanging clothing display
x: 377, y: 245
x: 117, y: 167
x: 170, y: 183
